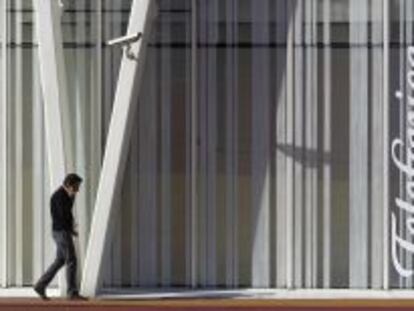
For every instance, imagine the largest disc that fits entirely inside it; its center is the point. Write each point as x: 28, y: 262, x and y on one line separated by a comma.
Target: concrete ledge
x: 245, y: 294
x: 25, y: 292
x: 215, y: 300
x: 255, y: 294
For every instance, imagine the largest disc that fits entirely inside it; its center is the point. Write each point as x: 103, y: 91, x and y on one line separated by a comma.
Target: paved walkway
x: 58, y: 304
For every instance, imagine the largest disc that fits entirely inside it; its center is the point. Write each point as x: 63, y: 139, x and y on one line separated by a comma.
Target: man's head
x: 72, y: 184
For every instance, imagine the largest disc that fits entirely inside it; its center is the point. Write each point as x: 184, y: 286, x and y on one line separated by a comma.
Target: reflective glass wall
x: 25, y: 235
x: 24, y: 183
x: 401, y: 144
x: 290, y: 162
x: 297, y: 117
x: 152, y: 243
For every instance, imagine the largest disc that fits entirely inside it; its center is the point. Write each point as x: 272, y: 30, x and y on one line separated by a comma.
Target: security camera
x: 125, y: 40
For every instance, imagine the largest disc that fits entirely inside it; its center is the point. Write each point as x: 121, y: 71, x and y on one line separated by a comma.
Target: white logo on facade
x: 405, y: 165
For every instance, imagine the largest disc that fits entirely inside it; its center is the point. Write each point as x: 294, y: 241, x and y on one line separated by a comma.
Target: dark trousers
x: 65, y: 254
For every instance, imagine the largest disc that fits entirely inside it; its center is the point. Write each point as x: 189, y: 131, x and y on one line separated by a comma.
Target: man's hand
x: 74, y: 230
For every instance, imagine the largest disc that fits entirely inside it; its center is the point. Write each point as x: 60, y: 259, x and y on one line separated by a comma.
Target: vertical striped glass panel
x: 3, y: 142
x: 288, y: 152
x: 152, y: 225
x: 401, y: 195
x: 289, y: 145
x: 26, y: 244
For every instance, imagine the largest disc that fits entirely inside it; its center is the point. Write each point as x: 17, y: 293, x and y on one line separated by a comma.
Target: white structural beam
x: 386, y: 65
x: 120, y: 129
x: 327, y: 145
x: 55, y: 98
x: 358, y: 148
x: 3, y: 144
x: 289, y: 141
x: 18, y: 149
x: 194, y: 137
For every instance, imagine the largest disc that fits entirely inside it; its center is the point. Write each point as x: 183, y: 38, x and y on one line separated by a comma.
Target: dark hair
x: 72, y: 180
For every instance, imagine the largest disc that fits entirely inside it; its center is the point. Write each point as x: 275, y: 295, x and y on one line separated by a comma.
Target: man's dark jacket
x: 61, y: 205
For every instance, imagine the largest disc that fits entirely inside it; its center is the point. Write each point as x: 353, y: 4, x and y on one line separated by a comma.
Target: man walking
x: 61, y: 205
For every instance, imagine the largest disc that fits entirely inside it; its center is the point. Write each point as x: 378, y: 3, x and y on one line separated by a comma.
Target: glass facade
x: 92, y: 69
x: 302, y: 152
x: 400, y: 144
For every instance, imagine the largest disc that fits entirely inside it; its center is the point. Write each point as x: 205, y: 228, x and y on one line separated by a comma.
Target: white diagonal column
x: 54, y: 88
x: 120, y: 129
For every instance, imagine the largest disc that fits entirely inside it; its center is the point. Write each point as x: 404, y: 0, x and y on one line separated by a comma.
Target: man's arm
x: 56, y: 212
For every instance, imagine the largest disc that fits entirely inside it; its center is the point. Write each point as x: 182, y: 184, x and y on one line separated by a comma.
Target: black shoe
x: 41, y: 292
x: 77, y: 297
